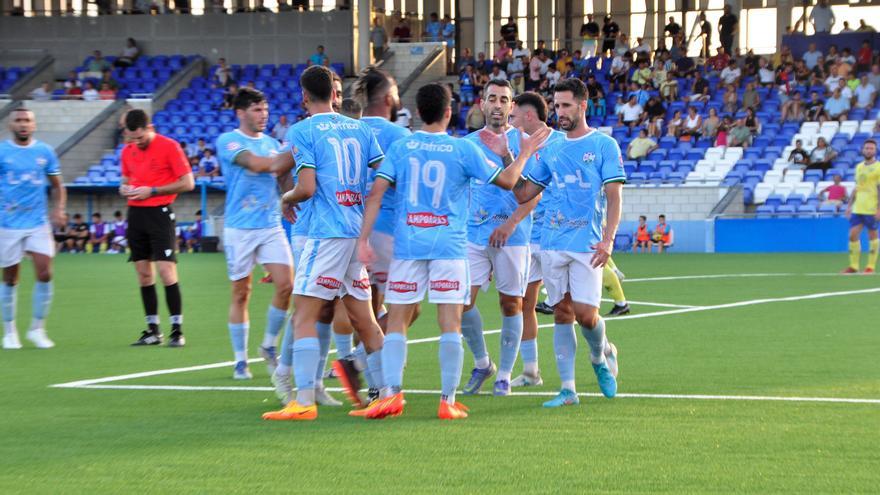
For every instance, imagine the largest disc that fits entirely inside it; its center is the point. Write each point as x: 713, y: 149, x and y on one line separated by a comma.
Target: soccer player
x: 252, y: 232
x: 332, y: 154
x: 581, y: 174
x: 154, y: 171
x: 431, y: 172
x: 499, y: 230
x: 26, y: 165
x: 529, y: 115
x: 864, y: 210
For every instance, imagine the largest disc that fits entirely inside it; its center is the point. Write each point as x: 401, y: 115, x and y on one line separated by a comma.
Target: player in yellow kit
x: 864, y: 211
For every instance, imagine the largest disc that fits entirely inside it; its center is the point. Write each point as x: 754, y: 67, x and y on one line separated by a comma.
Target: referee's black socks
x: 151, y: 307
x: 175, y: 305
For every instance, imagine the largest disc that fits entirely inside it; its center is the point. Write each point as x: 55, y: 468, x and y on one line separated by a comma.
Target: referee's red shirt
x: 162, y: 163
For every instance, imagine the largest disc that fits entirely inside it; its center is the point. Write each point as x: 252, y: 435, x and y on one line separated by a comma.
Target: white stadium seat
x: 804, y: 188
x: 867, y: 126
x: 762, y: 190
x: 809, y: 128
x: 773, y: 177
x: 783, y: 189
x: 734, y: 153
x: 696, y: 176
x: 793, y: 176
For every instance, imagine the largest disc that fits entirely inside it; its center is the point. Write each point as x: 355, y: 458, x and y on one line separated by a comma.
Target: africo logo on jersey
x: 328, y: 282
x: 436, y: 147
x: 349, y: 198
x: 444, y: 285
x: 326, y: 126
x: 401, y: 286
x: 426, y: 219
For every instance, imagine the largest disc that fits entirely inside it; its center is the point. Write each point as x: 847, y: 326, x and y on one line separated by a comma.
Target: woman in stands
x: 675, y: 125
x: 711, y: 123
x: 752, y: 121
x: 822, y: 156
x: 730, y: 99
x: 693, y: 124
x: 129, y: 54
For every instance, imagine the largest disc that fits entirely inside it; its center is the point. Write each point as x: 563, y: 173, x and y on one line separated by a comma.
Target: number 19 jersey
x: 341, y: 150
x: 432, y: 174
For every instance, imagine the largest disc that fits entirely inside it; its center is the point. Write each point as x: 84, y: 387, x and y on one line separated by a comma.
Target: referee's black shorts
x: 151, y: 233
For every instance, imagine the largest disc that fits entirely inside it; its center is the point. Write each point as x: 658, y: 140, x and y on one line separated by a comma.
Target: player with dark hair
x: 26, y: 166
x: 252, y: 231
x: 432, y: 172
x: 864, y: 209
x: 154, y: 171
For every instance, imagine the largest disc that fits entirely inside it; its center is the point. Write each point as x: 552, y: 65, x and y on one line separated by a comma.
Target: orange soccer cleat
x: 868, y: 271
x: 391, y: 406
x: 293, y: 412
x: 454, y: 411
x: 849, y: 270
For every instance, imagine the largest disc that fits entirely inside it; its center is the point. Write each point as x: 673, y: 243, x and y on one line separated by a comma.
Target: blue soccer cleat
x: 241, y: 371
x: 502, y: 387
x: 607, y: 382
x: 478, y: 377
x: 565, y: 398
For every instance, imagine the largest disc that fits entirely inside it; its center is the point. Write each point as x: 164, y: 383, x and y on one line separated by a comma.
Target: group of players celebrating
x: 382, y: 216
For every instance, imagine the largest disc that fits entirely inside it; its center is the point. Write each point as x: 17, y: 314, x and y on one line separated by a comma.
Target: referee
x: 154, y: 171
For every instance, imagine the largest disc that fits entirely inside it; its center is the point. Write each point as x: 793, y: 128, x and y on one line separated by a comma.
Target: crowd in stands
x: 98, y: 236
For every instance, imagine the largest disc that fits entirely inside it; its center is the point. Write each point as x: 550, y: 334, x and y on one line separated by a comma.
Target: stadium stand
x: 144, y: 77
x: 9, y: 76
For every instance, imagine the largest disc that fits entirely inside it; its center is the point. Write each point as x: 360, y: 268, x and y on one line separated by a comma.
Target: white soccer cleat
x: 325, y: 399
x: 611, y: 358
x: 39, y: 338
x: 525, y: 380
x: 10, y: 341
x: 283, y: 387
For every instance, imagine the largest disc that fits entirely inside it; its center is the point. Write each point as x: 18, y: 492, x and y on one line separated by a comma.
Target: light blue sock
x: 451, y: 360
x: 7, y: 301
x: 472, y: 331
x: 511, y: 334
x: 306, y: 354
x: 238, y: 334
x: 374, y: 368
x: 393, y: 359
x: 565, y: 347
x: 596, y: 340
x: 343, y: 343
x: 274, y: 322
x: 285, y: 357
x: 360, y: 359
x: 324, y: 331
x: 529, y: 351
x: 41, y: 300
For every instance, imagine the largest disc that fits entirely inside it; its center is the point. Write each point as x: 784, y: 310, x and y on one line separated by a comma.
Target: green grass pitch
x: 144, y: 440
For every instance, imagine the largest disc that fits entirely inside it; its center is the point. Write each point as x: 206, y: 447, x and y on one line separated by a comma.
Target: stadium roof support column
x: 482, y: 25
x: 783, y: 19
x: 362, y: 49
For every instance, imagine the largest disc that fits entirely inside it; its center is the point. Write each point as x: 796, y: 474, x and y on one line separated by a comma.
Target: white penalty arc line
x: 193, y: 388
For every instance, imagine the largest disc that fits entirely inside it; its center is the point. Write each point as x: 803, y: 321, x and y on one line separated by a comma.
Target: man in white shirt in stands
x: 43, y: 93
x: 811, y: 56
x: 631, y: 113
x: 865, y: 94
x: 404, y: 118
x: 731, y: 73
x: 90, y: 93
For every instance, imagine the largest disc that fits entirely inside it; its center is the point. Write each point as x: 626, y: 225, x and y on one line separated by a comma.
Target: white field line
x: 191, y: 388
x: 659, y: 305
x: 734, y: 275
x: 97, y: 382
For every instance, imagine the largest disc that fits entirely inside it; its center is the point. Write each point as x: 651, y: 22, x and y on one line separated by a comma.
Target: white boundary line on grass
x: 101, y: 383
x: 735, y: 275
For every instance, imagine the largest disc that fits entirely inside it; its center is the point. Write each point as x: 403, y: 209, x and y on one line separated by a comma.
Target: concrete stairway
x: 410, y: 58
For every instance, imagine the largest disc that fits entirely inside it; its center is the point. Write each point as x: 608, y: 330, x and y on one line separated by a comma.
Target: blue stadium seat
x: 765, y: 211
x: 828, y: 210
x: 775, y: 200
x: 807, y: 210
x: 785, y: 211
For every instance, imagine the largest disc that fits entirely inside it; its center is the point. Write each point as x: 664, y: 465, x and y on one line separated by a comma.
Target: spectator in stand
x: 718, y: 62
x: 467, y: 84
x: 631, y: 113
x: 643, y: 51
x: 455, y: 105
x: 281, y: 127
x: 433, y: 28
x: 590, y: 36
x: 118, y: 241
x: 475, y: 120
x: 90, y: 93
x: 865, y: 57
x: 402, y: 33
x: 834, y: 194
x: 793, y: 109
x: 72, y: 81
x: 404, y: 118
x: 106, y: 92
x: 497, y: 73
x: 751, y: 63
x: 815, y: 111
x: 319, y: 57
x: 642, y: 95
x: 798, y: 159
x: 822, y: 17
x: 466, y: 58
x: 447, y: 32
x: 642, y: 243
x: 515, y: 72
x: 846, y: 57
x: 711, y: 124
x: 96, y: 66
x: 700, y: 89
x: 811, y: 56
x: 822, y: 155
x: 731, y: 74
x: 610, y: 30
x: 676, y: 125
x: 642, y: 76
x: 42, y: 93
x: 672, y: 28
x: 865, y: 28
x: 223, y: 74
x: 740, y: 135
x: 865, y: 94
x: 229, y: 96
x: 501, y: 53
x: 730, y: 99
x: 654, y: 114
x: 99, y: 233
x: 874, y: 77
x: 596, y: 101
x: 837, y: 106
x: 553, y: 76
x: 693, y: 124
x: 509, y: 32
x: 753, y: 122
x: 723, y: 131
x: 378, y: 38
x: 129, y: 54
x: 801, y: 73
x: 537, y: 69
x: 766, y: 75
x: 79, y: 233
x: 562, y: 60
x: 728, y: 25
x: 619, y: 72
x: 520, y: 51
x: 846, y: 28
x: 483, y: 66
x: 621, y: 46
x: 705, y: 34
x: 107, y: 78
x: 751, y: 98
x: 201, y: 148
x: 641, y: 146
x: 208, y: 165
x: 579, y: 63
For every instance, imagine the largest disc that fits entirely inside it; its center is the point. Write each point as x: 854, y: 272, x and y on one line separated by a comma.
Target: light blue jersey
x: 251, y: 197
x: 492, y: 206
x: 386, y: 134
x: 573, y: 173
x: 341, y: 150
x: 432, y: 174
x: 301, y: 226
x: 538, y: 212
x: 23, y: 181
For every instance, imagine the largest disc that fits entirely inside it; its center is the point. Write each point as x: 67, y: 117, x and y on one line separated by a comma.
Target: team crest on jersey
x: 42, y: 161
x: 233, y: 146
x: 556, y: 220
x: 349, y: 198
x: 426, y: 220
x: 363, y: 283
x: 481, y: 215
x: 401, y: 286
x: 328, y: 282
x: 589, y: 157
x: 444, y: 285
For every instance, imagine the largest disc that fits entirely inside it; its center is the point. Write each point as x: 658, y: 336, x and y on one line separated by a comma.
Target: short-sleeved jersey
x: 492, y: 206
x: 162, y: 163
x: 251, y: 197
x: 867, y: 182
x: 341, y: 150
x: 386, y: 134
x: 23, y: 173
x: 573, y: 172
x: 538, y: 212
x: 432, y: 174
